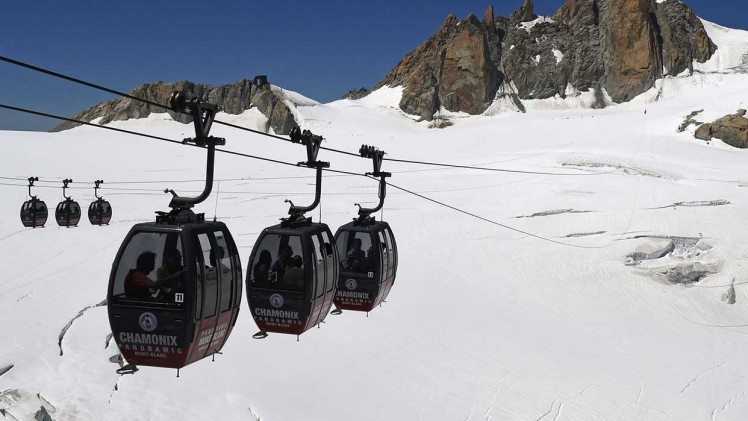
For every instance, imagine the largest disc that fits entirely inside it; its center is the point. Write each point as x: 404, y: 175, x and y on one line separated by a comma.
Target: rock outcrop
x: 233, y: 99
x: 356, y: 93
x: 618, y: 47
x: 731, y: 129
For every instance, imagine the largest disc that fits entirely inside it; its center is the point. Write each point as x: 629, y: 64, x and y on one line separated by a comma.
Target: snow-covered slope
x: 483, y: 322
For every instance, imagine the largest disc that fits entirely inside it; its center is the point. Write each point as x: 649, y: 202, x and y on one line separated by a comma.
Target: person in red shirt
x: 137, y: 282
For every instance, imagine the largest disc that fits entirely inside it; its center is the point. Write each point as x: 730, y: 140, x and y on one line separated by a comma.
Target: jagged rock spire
x: 525, y: 13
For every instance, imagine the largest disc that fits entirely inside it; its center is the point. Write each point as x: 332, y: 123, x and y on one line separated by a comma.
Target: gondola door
x: 228, y: 273
x: 361, y: 272
x: 324, y: 277
x: 206, y: 313
x: 391, y: 266
x: 330, y: 254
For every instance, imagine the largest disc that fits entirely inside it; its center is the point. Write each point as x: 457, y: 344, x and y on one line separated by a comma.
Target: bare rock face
x: 453, y: 69
x: 356, y: 93
x: 620, y: 46
x: 631, y: 48
x: 526, y: 13
x: 233, y: 99
x: 683, y: 37
x: 731, y: 129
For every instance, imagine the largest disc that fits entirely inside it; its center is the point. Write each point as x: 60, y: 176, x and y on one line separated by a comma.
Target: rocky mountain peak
x: 233, y: 99
x: 488, y: 18
x: 526, y: 13
x: 614, y: 48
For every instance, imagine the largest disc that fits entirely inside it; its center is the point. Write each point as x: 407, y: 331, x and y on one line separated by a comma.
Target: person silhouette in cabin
x: 171, y: 272
x: 137, y: 282
x: 355, y: 257
x: 262, y: 267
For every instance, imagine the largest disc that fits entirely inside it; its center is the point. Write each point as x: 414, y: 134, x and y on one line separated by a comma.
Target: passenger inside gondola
x: 261, y: 269
x: 283, y: 262
x: 216, y: 255
x: 137, y: 283
x: 355, y: 258
x: 170, y: 275
x: 294, y: 276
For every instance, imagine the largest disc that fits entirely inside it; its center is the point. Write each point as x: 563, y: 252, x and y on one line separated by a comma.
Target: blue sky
x: 320, y: 49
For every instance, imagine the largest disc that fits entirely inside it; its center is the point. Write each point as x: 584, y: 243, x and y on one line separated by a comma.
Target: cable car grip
x: 31, y: 184
x: 377, y: 156
x: 312, y: 143
x: 96, y: 188
x: 65, y: 183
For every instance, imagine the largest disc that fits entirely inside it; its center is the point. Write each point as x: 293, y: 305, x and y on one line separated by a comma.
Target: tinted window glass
x: 224, y: 265
x: 392, y: 261
x: 318, y: 257
x: 342, y: 245
x: 151, y: 270
x: 385, y: 256
x: 330, y: 263
x: 278, y: 263
x: 210, y: 289
x: 357, y: 253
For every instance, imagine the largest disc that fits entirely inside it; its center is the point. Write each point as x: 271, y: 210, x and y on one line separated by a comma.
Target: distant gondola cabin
x: 68, y: 213
x: 99, y: 212
x: 34, y: 213
x: 292, y: 277
x: 367, y: 263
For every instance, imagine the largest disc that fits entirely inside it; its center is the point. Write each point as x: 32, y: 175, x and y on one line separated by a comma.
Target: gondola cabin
x: 174, y: 293
x: 34, y: 213
x: 292, y: 276
x: 68, y: 213
x: 367, y: 264
x: 100, y: 212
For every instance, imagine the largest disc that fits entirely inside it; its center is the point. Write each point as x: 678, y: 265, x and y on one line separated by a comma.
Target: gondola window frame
x: 203, y: 264
x: 226, y: 286
x: 330, y: 275
x: 319, y: 265
x: 392, y: 258
x: 384, y: 255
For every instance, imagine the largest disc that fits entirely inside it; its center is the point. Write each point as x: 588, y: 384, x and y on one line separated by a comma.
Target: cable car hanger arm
x: 312, y: 143
x: 31, y: 184
x: 376, y: 156
x: 203, y: 115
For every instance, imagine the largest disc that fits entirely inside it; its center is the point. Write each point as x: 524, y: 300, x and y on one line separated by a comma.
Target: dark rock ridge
x: 621, y: 46
x: 356, y: 93
x: 731, y: 129
x: 233, y: 99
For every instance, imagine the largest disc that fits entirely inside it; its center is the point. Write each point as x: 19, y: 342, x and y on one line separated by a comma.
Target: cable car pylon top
x: 203, y: 115
x: 96, y: 188
x: 376, y: 156
x: 65, y: 183
x: 31, y: 184
x: 312, y: 143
